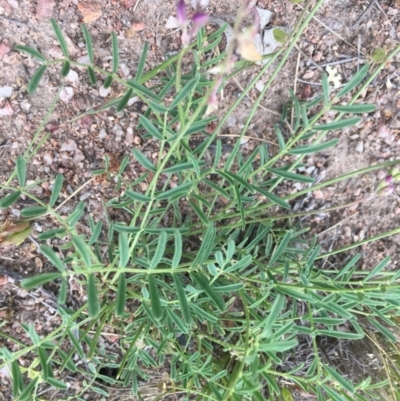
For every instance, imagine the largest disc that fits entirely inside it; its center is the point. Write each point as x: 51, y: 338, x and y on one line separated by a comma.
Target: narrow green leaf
x: 279, y: 136
x: 206, y: 246
x: 232, y: 178
x: 92, y: 76
x: 203, y: 314
x: 56, y: 383
x: 355, y: 108
x: 107, y: 82
x: 325, y: 88
x: 275, y: 311
x: 125, y: 99
x: 96, y: 232
x: 335, y: 125
x: 157, y: 107
x: 273, y: 198
x: 115, y: 52
x: 33, y: 211
x: 31, y: 52
x: 17, y: 380
x: 281, y: 248
x: 150, y: 127
x: 57, y: 186
x: 100, y: 391
x: 93, y: 302
x: 9, y: 199
x: 121, y: 296
x: 340, y: 334
x: 177, y: 192
x: 138, y: 196
x: 142, y: 90
x: 56, y: 232
x: 339, y: 378
x: 239, y: 265
x: 333, y: 394
x: 60, y: 37
x: 291, y: 176
x: 154, y: 298
x: 354, y: 81
x: 143, y: 160
x: 183, y: 93
x: 88, y: 41
x: 74, y: 217
x: 381, y: 265
x: 21, y: 170
x: 178, y: 249
x: 198, y: 210
x: 178, y: 321
x: 65, y: 68
x: 278, y: 346
x: 82, y: 249
x: 142, y: 61
x: 62, y: 294
x: 184, y: 166
x: 226, y: 289
x: 35, y: 80
x: 204, y: 284
x: 52, y: 257
x: 158, y: 254
x: 329, y: 321
x: 385, y: 331
x: 301, y: 150
x: 76, y: 344
x: 123, y: 250
x: 43, y: 362
x: 183, y: 301
x: 36, y: 281
x: 26, y: 394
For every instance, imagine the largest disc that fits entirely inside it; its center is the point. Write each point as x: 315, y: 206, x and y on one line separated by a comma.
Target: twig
x: 370, y: 5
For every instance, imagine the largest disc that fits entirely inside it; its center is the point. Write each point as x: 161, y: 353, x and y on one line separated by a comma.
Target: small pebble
x: 5, y: 91
x: 360, y: 147
x: 69, y: 145
x: 347, y: 231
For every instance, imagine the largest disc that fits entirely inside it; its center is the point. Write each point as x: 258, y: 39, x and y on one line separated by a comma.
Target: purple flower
x: 199, y: 20
x: 386, y: 191
x: 181, y: 13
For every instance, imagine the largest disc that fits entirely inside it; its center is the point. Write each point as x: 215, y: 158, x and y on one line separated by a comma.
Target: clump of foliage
x: 228, y: 290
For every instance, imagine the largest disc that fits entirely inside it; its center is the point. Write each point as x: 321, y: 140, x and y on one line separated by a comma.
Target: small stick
x: 370, y: 5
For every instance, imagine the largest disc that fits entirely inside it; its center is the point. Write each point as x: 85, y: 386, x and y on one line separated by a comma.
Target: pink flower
x: 181, y: 13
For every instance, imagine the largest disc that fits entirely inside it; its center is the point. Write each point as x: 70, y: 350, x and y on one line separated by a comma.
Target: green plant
x: 219, y: 290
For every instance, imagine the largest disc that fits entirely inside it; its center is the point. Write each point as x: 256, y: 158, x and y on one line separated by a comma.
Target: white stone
x: 5, y: 91
x: 103, y: 92
x: 69, y: 146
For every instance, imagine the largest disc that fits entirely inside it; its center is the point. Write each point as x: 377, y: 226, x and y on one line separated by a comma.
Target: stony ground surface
x: 335, y: 38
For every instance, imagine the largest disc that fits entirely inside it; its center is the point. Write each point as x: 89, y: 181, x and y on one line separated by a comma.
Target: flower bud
x: 181, y: 13
x: 386, y: 190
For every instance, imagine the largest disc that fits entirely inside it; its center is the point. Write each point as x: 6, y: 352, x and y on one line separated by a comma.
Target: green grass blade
x: 43, y: 362
x: 150, y: 127
x: 355, y: 108
x: 107, y: 82
x: 60, y: 37
x: 302, y: 150
x: 62, y: 294
x: 206, y: 246
x: 281, y: 248
x: 17, y: 380
x: 291, y: 176
x: 178, y: 249
x: 123, y: 250
x: 74, y: 217
x: 325, y: 88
